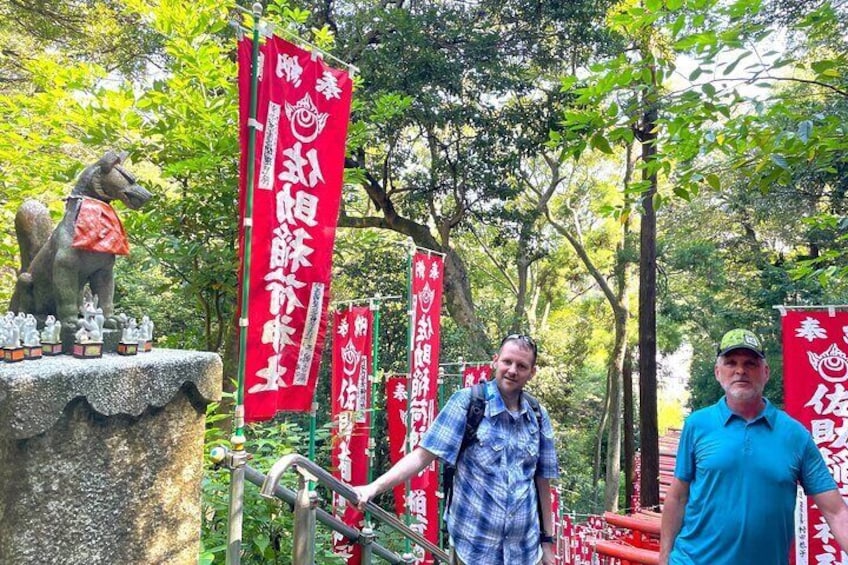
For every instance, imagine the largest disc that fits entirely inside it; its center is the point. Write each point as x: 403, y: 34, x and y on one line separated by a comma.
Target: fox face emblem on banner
x: 832, y: 365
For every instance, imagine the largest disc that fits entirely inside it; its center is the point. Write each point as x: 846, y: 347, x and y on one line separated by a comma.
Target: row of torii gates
x: 636, y: 537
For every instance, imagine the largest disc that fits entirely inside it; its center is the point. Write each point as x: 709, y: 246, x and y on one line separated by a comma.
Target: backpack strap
x: 536, y: 407
x: 473, y: 416
x: 537, y: 410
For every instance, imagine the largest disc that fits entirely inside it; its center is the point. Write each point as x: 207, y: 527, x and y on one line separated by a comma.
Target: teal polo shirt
x: 742, y: 485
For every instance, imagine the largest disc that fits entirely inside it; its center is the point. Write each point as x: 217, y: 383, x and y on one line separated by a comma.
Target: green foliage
x: 267, y: 528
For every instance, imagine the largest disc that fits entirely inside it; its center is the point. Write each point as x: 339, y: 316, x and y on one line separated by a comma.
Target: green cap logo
x: 740, y: 339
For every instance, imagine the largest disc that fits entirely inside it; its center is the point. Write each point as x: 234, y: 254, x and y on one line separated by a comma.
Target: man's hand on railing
x: 365, y: 494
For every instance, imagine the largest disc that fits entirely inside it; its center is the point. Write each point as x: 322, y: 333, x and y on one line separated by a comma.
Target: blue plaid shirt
x: 493, y: 518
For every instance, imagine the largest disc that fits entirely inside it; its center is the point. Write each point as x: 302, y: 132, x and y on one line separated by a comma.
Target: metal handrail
x: 289, y: 496
x: 309, y: 468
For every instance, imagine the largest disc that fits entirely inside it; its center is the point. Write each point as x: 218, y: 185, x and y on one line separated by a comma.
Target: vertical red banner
x: 302, y: 119
x: 568, y: 542
x: 426, y: 300
x: 557, y: 524
x: 350, y: 409
x: 473, y: 374
x: 815, y: 381
x: 396, y: 397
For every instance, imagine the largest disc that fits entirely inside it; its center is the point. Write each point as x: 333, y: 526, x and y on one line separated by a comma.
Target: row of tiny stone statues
x: 16, y: 329
x: 133, y: 332
x: 22, y: 329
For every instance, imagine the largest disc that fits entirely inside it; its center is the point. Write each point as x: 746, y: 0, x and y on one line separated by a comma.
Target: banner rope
x: 268, y: 29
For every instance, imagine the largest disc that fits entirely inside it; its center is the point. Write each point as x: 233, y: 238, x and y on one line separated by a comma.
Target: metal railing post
x: 236, y: 463
x: 367, y: 542
x: 304, y: 524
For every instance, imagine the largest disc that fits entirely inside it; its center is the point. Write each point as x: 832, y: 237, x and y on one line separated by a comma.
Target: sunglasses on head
x: 521, y: 337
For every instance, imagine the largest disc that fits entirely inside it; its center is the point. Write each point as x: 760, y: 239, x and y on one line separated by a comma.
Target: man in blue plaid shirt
x: 493, y: 517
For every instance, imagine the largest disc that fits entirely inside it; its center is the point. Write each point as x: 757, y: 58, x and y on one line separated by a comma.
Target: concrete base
x: 102, y: 458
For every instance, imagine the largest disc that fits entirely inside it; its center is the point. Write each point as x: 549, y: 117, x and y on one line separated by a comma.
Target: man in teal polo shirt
x: 732, y: 498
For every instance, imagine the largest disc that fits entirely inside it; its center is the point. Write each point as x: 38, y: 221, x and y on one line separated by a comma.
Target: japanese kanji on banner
x: 473, y: 374
x: 426, y: 302
x: 815, y: 377
x: 396, y: 417
x: 351, y: 402
x: 301, y: 125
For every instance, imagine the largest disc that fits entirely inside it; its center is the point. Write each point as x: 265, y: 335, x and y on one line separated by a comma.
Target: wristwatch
x: 545, y: 538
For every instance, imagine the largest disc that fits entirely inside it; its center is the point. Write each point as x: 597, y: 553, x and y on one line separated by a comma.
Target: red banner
x: 426, y: 300
x: 302, y: 118
x: 396, y: 417
x: 815, y: 377
x: 473, y: 374
x: 351, y: 402
x: 557, y: 531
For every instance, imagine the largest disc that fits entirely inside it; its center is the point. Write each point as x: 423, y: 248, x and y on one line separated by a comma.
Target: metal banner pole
x: 411, y: 358
x: 239, y: 456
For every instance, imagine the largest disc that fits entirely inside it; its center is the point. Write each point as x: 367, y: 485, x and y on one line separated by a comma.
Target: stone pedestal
x: 111, y: 338
x: 102, y: 459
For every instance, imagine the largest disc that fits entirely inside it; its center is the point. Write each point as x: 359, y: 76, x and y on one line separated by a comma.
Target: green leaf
x: 779, y: 160
x: 824, y: 65
x: 600, y: 143
x: 708, y: 89
x: 729, y: 69
x: 805, y: 128
x: 713, y: 180
x: 567, y: 82
x: 678, y: 24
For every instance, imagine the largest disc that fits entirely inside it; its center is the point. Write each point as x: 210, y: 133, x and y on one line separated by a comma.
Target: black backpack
x: 476, y: 411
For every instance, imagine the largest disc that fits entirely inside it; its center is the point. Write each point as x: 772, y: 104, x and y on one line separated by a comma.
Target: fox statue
x: 55, y: 267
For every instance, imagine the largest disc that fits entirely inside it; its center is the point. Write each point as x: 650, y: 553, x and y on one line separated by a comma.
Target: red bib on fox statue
x: 98, y: 228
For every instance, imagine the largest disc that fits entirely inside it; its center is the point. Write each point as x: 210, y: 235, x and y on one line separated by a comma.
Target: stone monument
x: 102, y: 459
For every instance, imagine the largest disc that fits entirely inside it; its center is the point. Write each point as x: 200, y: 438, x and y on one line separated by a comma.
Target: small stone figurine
x: 88, y: 341
x: 129, y: 336
x: 51, y: 341
x: 32, y: 341
x: 12, y: 350
x: 145, y: 334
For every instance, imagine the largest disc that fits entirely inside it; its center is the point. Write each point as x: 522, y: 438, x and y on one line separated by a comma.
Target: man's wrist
x: 545, y: 538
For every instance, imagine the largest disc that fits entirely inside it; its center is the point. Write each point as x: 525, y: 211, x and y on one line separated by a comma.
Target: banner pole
x: 374, y: 304
x: 313, y: 424
x: 248, y: 221
x: 239, y: 456
x: 410, y: 335
x: 441, y: 402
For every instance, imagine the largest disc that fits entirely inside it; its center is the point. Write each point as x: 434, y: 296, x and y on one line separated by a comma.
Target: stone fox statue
x: 56, y: 266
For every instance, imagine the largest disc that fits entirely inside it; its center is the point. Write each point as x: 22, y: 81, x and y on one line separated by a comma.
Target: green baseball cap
x: 741, y: 339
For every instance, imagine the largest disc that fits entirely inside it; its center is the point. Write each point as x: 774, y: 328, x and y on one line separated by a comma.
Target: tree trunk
x: 460, y: 304
x: 457, y: 289
x: 613, y: 471
x: 649, y: 433
x: 621, y: 311
x: 629, y: 439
